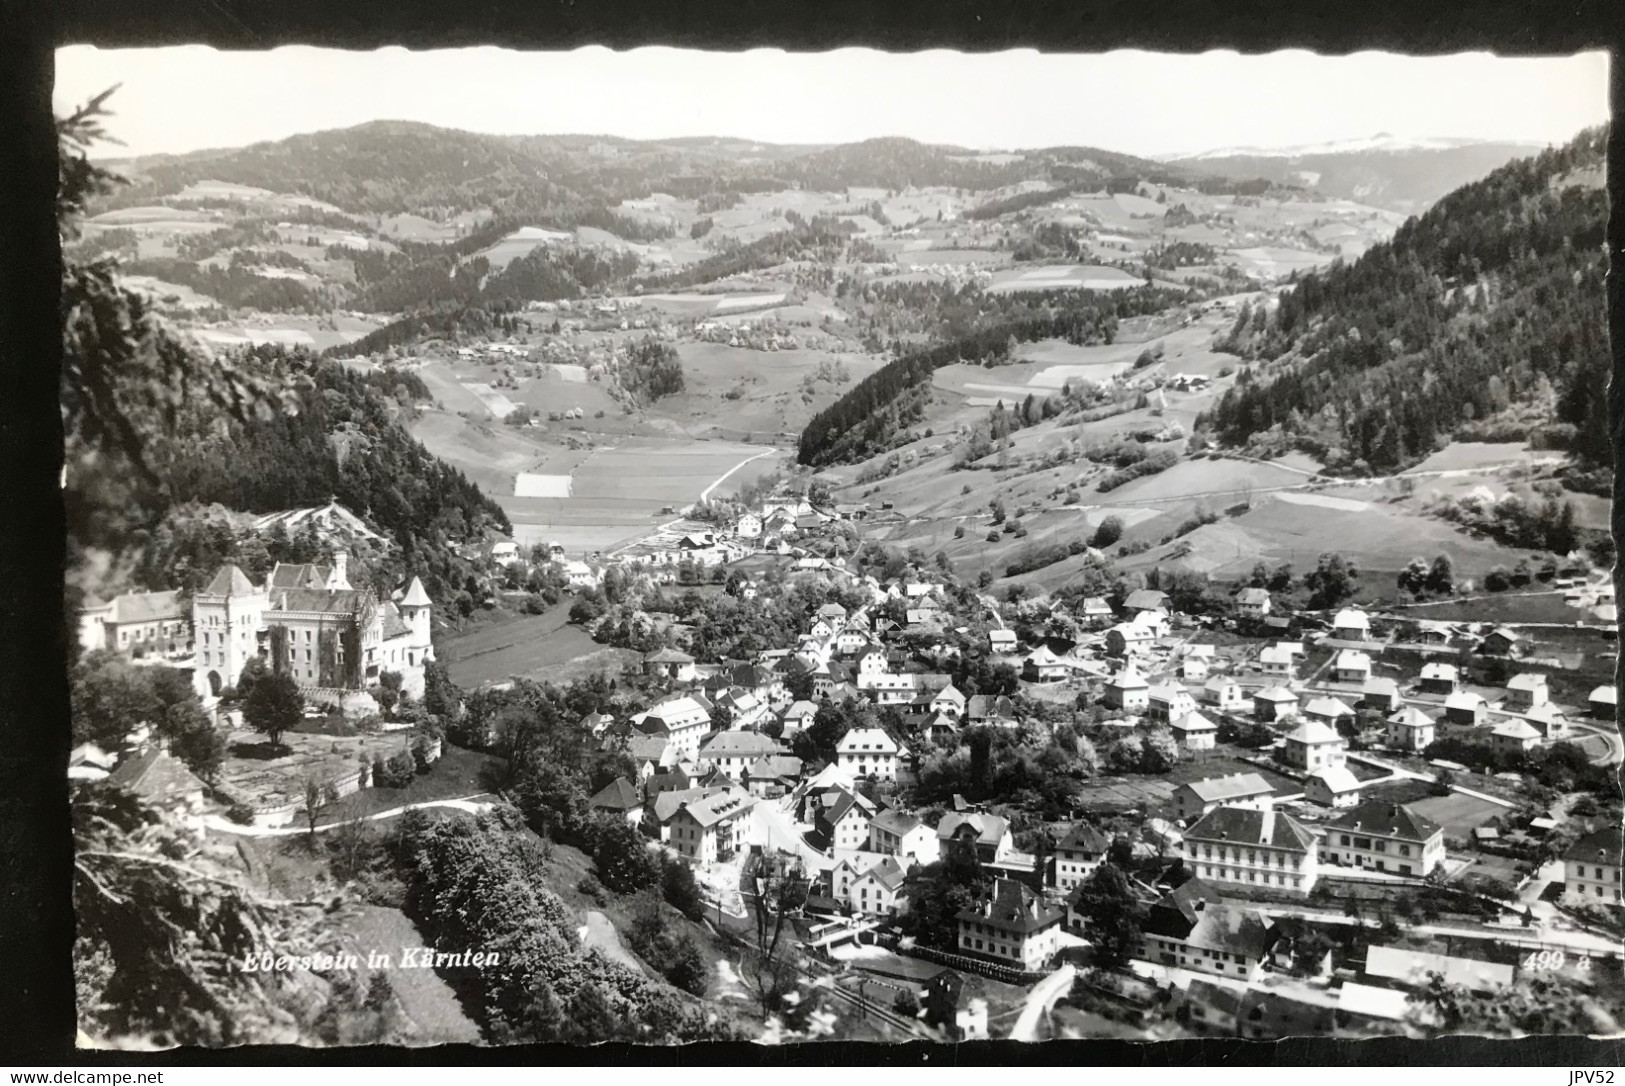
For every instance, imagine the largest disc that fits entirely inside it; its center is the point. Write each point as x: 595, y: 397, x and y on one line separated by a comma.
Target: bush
x: 623, y: 858
x: 396, y: 771
x: 679, y: 888
x: 906, y: 1003
x: 593, y: 889
x: 993, y: 537
x: 240, y: 813
x: 1109, y: 532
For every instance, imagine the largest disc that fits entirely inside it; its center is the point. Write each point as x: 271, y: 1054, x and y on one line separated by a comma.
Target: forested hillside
x: 1487, y: 310
x: 867, y: 419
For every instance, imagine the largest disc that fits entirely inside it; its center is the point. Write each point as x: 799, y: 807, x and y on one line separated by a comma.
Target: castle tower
x: 340, y: 578
x: 415, y: 608
x: 227, y: 617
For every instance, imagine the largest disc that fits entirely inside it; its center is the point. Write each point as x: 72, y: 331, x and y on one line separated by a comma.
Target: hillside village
x: 862, y: 593
x: 1256, y: 777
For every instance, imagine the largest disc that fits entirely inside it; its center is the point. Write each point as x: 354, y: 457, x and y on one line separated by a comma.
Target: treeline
x: 866, y: 420
x: 1493, y: 298
x: 815, y: 241
x: 236, y: 285
x: 1021, y: 201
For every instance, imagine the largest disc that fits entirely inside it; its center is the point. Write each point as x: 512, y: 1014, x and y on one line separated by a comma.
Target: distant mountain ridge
x: 1384, y: 171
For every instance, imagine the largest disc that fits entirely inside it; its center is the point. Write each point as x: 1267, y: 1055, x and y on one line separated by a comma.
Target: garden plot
x: 529, y: 485
x: 492, y: 400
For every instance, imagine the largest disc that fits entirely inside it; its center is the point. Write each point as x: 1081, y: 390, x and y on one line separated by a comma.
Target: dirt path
x: 600, y: 932
x: 474, y: 804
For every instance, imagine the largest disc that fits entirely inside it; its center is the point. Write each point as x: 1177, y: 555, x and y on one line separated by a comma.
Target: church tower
x: 415, y: 608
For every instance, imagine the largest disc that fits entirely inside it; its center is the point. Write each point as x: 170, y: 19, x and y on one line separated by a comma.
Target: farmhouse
x: 845, y: 817
x: 1078, y: 855
x: 1351, y: 666
x: 1274, y: 703
x: 1504, y: 641
x: 670, y: 664
x: 1439, y: 679
x: 1012, y: 924
x: 987, y: 833
x: 1145, y: 599
x: 681, y: 721
x: 1095, y: 612
x: 1384, y: 837
x: 1252, y: 603
x: 1130, y: 639
x: 748, y: 526
x: 1223, y: 940
x: 1351, y: 624
x: 1225, y: 695
x: 798, y: 716
x: 1001, y: 641
x: 1333, y: 787
x: 1549, y: 721
x: 878, y: 891
x: 1410, y: 729
x: 1234, y: 847
x: 772, y: 776
x: 1314, y: 746
x: 1195, y: 799
x: 1043, y: 666
x: 619, y: 797
x: 160, y: 779
x: 1591, y: 869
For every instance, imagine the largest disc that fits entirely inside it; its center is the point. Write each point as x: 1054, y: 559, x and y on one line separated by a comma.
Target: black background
x: 36, y: 913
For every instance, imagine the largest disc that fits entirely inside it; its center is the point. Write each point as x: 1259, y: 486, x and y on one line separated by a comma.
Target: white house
x: 1314, y: 746
x: 1128, y: 691
x: 1351, y: 666
x: 897, y: 834
x: 1168, y: 701
x: 1193, y: 731
x: 1001, y: 641
x: 1332, y: 787
x: 748, y: 526
x: 1410, y: 729
x: 1076, y: 857
x: 865, y: 752
x: 1252, y: 603
x: 1526, y: 691
x: 1351, y: 624
x: 1225, y: 695
x: 1277, y: 662
x: 1385, y: 837
x: 1591, y: 869
x: 1195, y: 799
x: 1233, y: 846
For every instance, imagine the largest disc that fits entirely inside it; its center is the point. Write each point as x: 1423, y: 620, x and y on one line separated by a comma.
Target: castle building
x: 313, y: 606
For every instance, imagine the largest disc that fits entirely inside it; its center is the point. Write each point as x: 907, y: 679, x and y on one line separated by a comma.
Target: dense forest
x: 868, y: 418
x: 1491, y: 301
x: 344, y: 442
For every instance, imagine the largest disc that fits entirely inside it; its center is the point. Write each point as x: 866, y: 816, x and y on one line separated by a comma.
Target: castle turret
x: 341, y: 571
x: 415, y: 608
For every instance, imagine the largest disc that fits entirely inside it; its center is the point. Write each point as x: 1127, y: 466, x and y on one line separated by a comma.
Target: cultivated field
x: 1459, y: 814
x: 1063, y: 277
x: 541, y: 647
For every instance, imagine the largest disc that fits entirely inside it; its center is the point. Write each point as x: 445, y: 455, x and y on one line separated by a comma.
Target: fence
x: 980, y: 966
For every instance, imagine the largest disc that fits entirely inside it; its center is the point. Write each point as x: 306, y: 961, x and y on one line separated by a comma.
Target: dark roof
x: 155, y: 775
x: 317, y: 600
x: 774, y: 767
x: 1145, y: 599
x: 298, y: 575
x: 1386, y: 820
x: 1175, y: 913
x: 895, y: 822
x: 989, y: 828
x: 1233, y: 931
x: 1013, y: 906
x: 230, y: 581
x: 1238, y: 825
x: 1085, y: 838
x: 1600, y: 846
x: 146, y: 607
x: 617, y: 795
x: 393, y: 625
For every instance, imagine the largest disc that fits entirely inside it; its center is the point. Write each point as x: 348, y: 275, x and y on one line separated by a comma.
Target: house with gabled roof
x: 1381, y: 695
x: 1274, y: 703
x: 1145, y: 599
x: 1011, y: 925
x: 845, y: 817
x: 1514, y: 736
x: 1277, y: 662
x: 681, y: 721
x: 1335, y: 786
x: 159, y: 779
x: 1465, y: 707
x: 1504, y: 641
x: 1095, y: 612
x: 1439, y: 678
x: 1080, y: 852
x: 772, y: 776
x: 1234, y: 846
x: 1166, y: 701
x: 1001, y: 641
x: 869, y: 752
x: 1131, y: 639
x: 1549, y: 721
x: 1043, y: 666
x: 1224, y: 695
x: 1252, y: 603
x: 710, y: 829
x: 1525, y: 691
x: 989, y: 834
x: 1603, y: 702
x: 1351, y: 666
x: 1351, y: 624
x: 948, y: 701
x: 1327, y: 710
x: 136, y: 624
x: 879, y: 891
x: 897, y: 834
x: 1224, y: 940
x: 735, y: 751
x: 1194, y: 799
x: 1384, y: 836
x: 1591, y: 869
x: 670, y: 664
x: 990, y: 709
x: 619, y: 797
